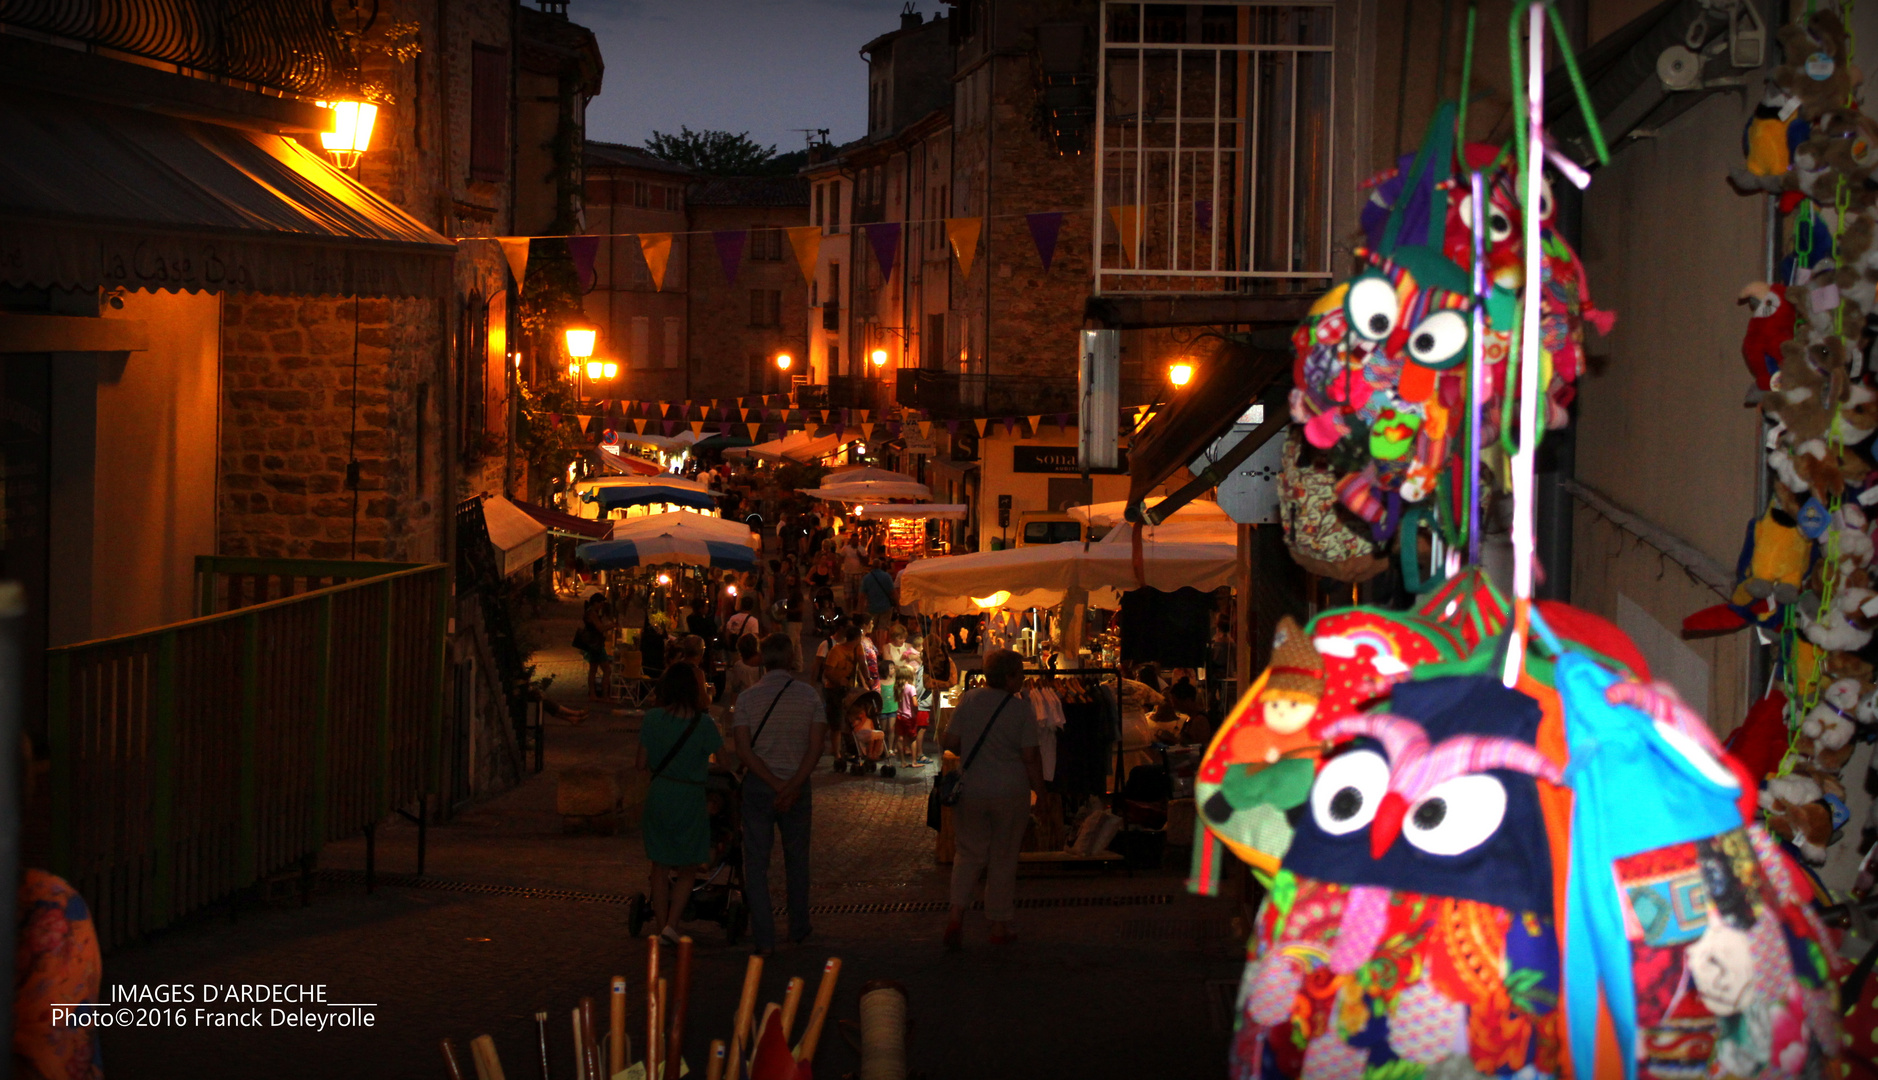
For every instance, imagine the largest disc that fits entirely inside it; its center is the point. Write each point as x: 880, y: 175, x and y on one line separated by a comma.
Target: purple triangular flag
x: 1043, y: 230
x: 583, y: 249
x: 730, y: 251
x: 885, y: 237
x: 952, y: 427
x: 669, y: 426
x: 1010, y: 424
x: 1062, y: 421
x: 1202, y: 214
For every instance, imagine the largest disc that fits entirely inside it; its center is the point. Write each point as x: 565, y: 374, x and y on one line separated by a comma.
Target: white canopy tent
x: 1042, y: 575
x: 863, y: 490
x: 798, y: 446
x: 517, y: 539
x: 1110, y: 513
x: 680, y: 523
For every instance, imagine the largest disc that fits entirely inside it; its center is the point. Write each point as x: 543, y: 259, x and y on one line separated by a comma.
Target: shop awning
x: 628, y: 464
x: 1224, y: 386
x: 1111, y: 513
x: 93, y: 195
x: 870, y: 489
x: 565, y: 524
x: 1042, y: 575
x: 800, y: 446
x: 620, y: 497
x: 518, y: 539
x: 946, y: 511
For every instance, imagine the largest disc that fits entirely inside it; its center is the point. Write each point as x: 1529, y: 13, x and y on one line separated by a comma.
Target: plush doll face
x: 1412, y: 307
x: 1286, y: 712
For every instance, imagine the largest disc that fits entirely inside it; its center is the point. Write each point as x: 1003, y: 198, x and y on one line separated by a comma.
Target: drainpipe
x: 991, y: 109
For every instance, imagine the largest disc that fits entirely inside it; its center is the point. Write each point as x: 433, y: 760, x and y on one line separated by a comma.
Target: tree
x: 714, y: 153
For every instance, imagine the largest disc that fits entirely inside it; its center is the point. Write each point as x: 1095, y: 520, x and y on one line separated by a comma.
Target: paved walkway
x: 1115, y: 976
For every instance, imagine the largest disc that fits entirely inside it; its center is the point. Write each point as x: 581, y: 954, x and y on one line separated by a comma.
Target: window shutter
x: 674, y: 335
x: 642, y: 342
x: 489, y: 113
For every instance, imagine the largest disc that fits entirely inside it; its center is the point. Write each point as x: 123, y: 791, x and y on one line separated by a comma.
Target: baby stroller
x: 718, y: 893
x: 861, y: 743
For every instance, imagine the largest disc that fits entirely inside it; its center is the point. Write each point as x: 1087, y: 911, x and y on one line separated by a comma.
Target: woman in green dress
x: 676, y: 740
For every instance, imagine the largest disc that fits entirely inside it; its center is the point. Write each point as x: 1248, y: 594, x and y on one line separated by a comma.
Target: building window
x: 821, y: 191
x: 766, y: 308
x: 766, y: 245
x: 641, y: 358
x: 489, y: 113
x: 674, y: 341
x: 834, y: 358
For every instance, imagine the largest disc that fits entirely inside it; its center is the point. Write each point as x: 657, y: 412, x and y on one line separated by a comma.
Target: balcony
x: 282, y: 45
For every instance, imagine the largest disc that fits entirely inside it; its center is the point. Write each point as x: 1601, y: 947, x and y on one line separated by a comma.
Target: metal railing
x: 1213, y: 146
x: 231, y: 582
x: 195, y: 760
x: 286, y: 45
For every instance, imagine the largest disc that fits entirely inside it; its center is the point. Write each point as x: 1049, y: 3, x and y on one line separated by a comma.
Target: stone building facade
x: 739, y: 326
x: 643, y: 322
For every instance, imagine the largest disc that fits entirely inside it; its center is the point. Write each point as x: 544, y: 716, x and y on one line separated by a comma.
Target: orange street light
x: 352, y: 131
x: 783, y: 360
x: 1180, y: 374
x: 879, y: 357
x: 580, y: 340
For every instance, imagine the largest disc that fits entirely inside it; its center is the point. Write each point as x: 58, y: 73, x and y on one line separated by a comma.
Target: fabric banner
x: 807, y: 242
x: 1010, y: 425
x: 638, y: 426
x: 515, y: 249
x: 586, y: 421
x: 730, y: 251
x: 752, y: 430
x: 1127, y: 221
x: 1043, y: 231
x: 1062, y: 422
x: 697, y: 427
x: 952, y: 427
x: 925, y: 429
x: 963, y: 233
x: 867, y: 432
x: 884, y: 237
x: 1036, y: 425
x: 583, y: 249
x: 982, y: 426
x: 658, y: 251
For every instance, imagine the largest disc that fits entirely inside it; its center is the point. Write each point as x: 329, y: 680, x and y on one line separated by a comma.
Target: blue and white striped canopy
x: 657, y: 550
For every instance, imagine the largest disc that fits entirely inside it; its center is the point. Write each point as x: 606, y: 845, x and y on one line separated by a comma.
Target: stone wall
x: 730, y: 357
x: 292, y: 394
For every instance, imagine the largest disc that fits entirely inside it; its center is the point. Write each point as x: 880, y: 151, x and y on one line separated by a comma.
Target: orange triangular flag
x: 1127, y: 221
x: 1036, y: 424
x: 867, y: 432
x: 981, y: 425
x: 697, y: 427
x: 658, y: 251
x: 807, y: 241
x: 752, y: 428
x: 963, y: 232
x: 585, y: 419
x: 925, y: 429
x: 515, y: 249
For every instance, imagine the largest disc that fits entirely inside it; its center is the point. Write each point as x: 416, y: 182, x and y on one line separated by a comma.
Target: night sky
x: 762, y: 66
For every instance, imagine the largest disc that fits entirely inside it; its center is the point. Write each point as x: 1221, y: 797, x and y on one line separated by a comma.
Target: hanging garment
x: 1047, y: 708
x: 1695, y: 929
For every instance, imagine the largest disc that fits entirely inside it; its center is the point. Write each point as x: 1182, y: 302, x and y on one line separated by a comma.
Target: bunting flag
x: 583, y: 249
x: 697, y: 427
x: 1127, y: 221
x: 807, y: 242
x: 515, y: 249
x: 1036, y: 425
x: 730, y: 251
x: 658, y: 251
x: 1043, y: 230
x: 1202, y: 215
x: 952, y: 428
x: 963, y: 233
x: 554, y: 420
x: 1010, y: 426
x: 824, y: 416
x: 752, y: 429
x: 982, y: 426
x: 638, y: 426
x: 867, y: 432
x: 884, y: 237
x: 586, y: 421
x: 925, y: 429
x: 1062, y: 422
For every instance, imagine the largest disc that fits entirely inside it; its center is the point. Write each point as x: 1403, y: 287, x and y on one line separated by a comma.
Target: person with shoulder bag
x: 990, y: 793
x: 778, y: 732
x: 676, y: 745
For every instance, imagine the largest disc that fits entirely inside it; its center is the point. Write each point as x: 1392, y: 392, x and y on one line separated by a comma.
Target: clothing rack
x: 1115, y: 796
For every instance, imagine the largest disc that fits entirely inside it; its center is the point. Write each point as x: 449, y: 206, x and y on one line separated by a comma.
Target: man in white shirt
x: 779, y: 728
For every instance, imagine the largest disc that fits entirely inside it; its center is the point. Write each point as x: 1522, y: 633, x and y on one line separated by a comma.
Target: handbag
x: 948, y: 786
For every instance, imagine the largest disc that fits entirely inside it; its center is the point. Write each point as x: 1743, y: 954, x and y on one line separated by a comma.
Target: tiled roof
x: 749, y: 191
x: 603, y: 154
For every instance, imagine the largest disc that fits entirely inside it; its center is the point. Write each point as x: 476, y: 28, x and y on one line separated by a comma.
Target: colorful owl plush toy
x: 1410, y: 930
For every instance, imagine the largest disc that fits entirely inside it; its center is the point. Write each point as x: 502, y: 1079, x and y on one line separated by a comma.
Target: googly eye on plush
x: 1457, y: 816
x: 1348, y: 790
x: 1499, y: 226
x: 1546, y: 203
x: 1439, y: 340
x: 1371, y: 307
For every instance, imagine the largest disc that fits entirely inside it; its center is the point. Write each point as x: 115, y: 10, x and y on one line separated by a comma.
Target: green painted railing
x: 229, y: 582
x: 194, y: 760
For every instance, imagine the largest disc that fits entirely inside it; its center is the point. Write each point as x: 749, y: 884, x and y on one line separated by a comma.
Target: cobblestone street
x: 1115, y: 975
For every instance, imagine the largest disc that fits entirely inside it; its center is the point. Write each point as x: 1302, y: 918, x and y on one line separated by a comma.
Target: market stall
x: 797, y: 446
x: 676, y: 538
x: 1043, y: 575
x: 904, y: 525
x: 516, y: 539
x: 597, y: 498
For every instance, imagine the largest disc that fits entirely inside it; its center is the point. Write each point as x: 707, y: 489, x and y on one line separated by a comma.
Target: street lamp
x: 352, y: 131
x: 601, y: 369
x: 1180, y: 374
x: 783, y: 360
x: 879, y: 357
x: 580, y: 340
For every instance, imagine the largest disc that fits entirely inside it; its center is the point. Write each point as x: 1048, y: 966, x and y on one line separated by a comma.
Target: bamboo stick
x: 746, y: 1009
x: 792, y: 1000
x: 590, y: 1040
x: 541, y: 1038
x: 714, y: 1064
x: 617, y: 1050
x: 488, y: 1064
x: 818, y: 1016
x: 449, y: 1060
x: 680, y: 1004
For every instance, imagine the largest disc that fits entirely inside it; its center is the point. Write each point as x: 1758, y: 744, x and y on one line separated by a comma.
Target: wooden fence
x: 194, y: 760
x: 229, y: 582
